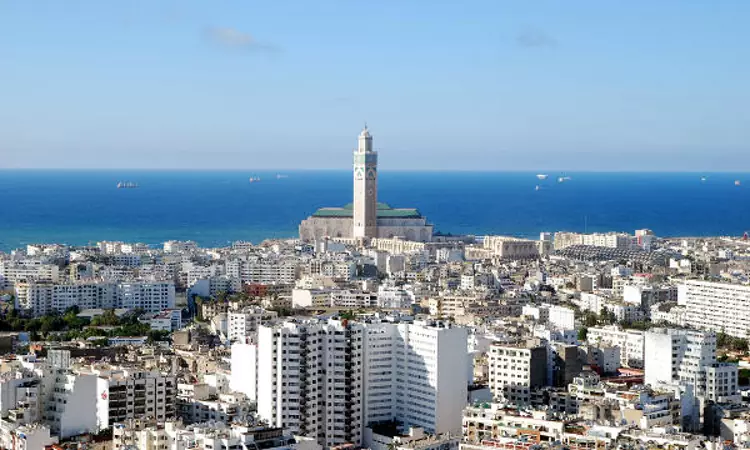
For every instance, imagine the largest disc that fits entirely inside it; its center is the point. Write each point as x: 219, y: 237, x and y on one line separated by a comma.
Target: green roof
x: 384, y: 210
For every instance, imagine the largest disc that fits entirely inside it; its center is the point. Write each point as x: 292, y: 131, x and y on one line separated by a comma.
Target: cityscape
x: 370, y: 330
x: 537, y: 241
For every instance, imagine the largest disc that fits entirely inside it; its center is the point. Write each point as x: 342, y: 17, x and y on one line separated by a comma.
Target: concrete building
x: 40, y: 298
x: 365, y: 217
x: 720, y: 307
x: 128, y: 394
x: 630, y: 342
x: 309, y: 379
x: 243, y: 324
x: 686, y: 357
x: 515, y: 370
x: 416, y: 374
x: 312, y: 375
x: 505, y: 247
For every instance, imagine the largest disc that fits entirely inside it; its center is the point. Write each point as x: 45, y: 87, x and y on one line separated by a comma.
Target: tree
x: 582, y: 334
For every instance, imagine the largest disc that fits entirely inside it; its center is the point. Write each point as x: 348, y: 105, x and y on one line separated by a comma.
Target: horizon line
x: 280, y: 170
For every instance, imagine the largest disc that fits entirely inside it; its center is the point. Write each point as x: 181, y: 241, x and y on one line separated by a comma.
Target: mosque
x: 365, y: 217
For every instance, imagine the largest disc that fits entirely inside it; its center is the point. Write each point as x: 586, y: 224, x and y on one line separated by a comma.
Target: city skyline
x: 473, y: 86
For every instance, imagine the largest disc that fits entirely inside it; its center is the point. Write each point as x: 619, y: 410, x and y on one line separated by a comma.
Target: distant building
x: 365, y: 217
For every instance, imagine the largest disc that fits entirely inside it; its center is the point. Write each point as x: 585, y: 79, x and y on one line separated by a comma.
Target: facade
x: 413, y: 374
x: 309, y: 379
x: 128, y: 394
x: 631, y: 343
x: 40, y: 298
x: 243, y: 324
x: 620, y: 241
x: 330, y: 380
x: 686, y: 357
x: 505, y: 247
x: 721, y: 307
x: 515, y: 370
x: 365, y: 217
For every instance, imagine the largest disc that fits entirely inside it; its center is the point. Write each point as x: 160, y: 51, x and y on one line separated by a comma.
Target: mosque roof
x: 384, y: 210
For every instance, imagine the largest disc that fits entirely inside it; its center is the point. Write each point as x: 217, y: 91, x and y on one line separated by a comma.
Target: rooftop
x: 384, y: 211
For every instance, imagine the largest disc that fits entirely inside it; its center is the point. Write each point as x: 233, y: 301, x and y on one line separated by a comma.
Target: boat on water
x: 563, y: 179
x: 254, y: 179
x: 537, y: 188
x: 703, y: 179
x: 542, y: 176
x: 280, y: 176
x: 126, y: 185
x: 737, y: 182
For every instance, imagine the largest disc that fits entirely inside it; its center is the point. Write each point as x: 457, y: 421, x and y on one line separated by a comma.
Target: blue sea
x: 215, y: 208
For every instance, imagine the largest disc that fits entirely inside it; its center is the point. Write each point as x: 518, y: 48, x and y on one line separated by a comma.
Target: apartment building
x: 331, y: 379
x: 721, y: 307
x: 41, y: 297
x: 517, y: 369
x: 131, y: 393
x: 347, y: 298
x: 243, y: 324
x: 688, y: 358
x: 310, y: 379
x: 630, y: 342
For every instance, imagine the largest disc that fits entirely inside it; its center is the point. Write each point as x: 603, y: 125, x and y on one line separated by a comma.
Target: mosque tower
x: 365, y: 214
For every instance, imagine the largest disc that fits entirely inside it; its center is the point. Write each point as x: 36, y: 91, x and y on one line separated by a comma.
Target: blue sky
x: 443, y: 84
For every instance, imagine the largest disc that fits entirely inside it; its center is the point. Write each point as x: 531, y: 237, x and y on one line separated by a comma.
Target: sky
x: 442, y: 84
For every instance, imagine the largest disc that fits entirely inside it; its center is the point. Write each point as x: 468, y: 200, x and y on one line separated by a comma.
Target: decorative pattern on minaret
x: 365, y: 219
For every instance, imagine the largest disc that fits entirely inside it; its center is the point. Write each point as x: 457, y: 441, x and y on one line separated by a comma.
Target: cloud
x: 230, y: 37
x: 535, y: 39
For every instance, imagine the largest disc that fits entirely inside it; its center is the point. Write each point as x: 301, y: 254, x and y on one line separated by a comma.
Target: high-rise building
x: 330, y: 380
x: 310, y: 379
x: 720, y: 307
x: 517, y: 369
x: 687, y: 357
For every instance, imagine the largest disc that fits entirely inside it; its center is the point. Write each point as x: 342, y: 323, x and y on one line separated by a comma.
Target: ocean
x: 215, y: 208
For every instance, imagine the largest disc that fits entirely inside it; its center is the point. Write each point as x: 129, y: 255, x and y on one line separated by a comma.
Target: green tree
x: 582, y: 333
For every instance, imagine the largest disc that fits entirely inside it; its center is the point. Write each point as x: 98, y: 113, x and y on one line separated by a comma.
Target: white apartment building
x: 562, y: 317
x: 342, y: 269
x: 516, y: 369
x: 631, y: 343
x: 417, y: 374
x: 14, y: 436
x: 611, y: 240
x: 196, y: 404
x: 720, y: 307
x: 180, y: 246
x: 347, y: 298
x: 152, y: 296
x: 394, y: 297
x: 310, y: 379
x: 329, y: 380
x: 146, y: 434
x: 243, y: 324
x: 40, y: 298
x: 311, y: 298
x: 18, y: 390
x: 69, y: 402
x: 131, y: 393
x: 686, y: 357
x: 13, y: 271
x: 263, y: 271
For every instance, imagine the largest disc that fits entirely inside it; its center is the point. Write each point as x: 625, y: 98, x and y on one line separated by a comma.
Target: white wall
x: 244, y: 370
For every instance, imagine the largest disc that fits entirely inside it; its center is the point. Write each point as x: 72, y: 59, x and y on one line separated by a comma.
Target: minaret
x: 365, y: 216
